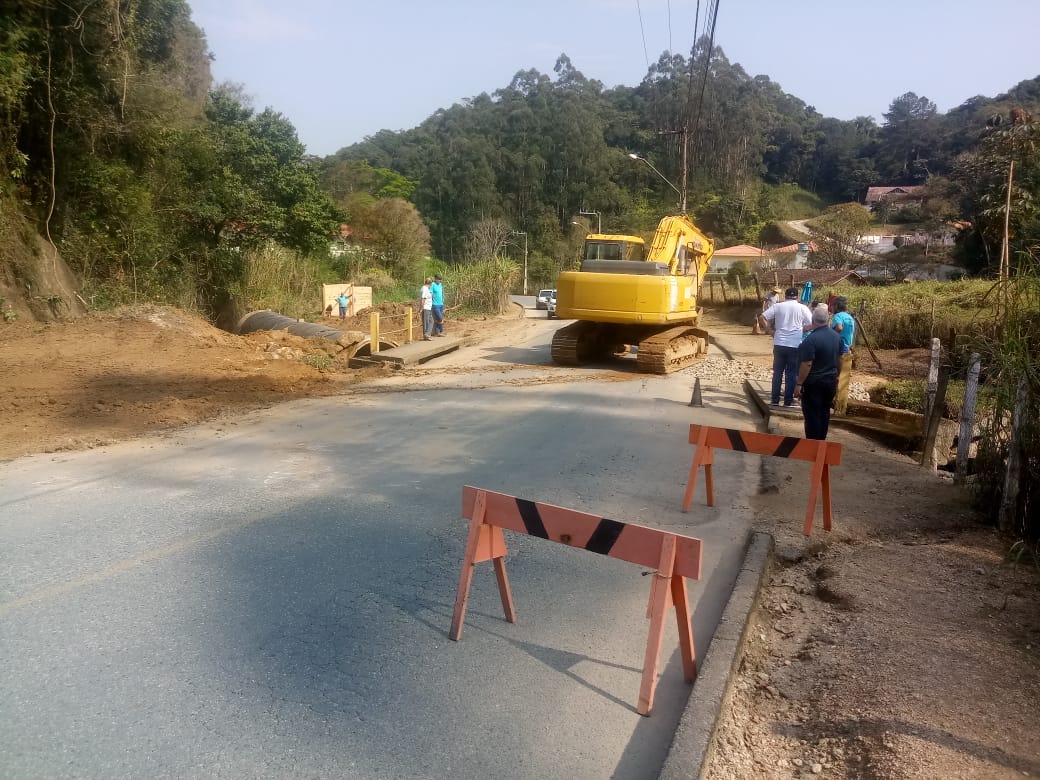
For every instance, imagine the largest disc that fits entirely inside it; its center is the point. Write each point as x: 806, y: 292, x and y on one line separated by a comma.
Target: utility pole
x: 522, y: 233
x: 684, y: 134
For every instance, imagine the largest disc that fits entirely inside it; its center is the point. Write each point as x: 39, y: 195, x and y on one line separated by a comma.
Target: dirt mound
x: 112, y: 375
x: 107, y: 376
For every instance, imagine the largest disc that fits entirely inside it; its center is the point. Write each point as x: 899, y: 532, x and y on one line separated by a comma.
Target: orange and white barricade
x: 673, y: 556
x: 822, y: 454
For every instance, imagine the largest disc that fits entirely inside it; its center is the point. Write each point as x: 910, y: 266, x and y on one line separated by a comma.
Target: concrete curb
x: 691, y: 748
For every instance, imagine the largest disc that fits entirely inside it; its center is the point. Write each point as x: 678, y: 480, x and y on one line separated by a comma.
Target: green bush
x: 482, y: 287
x: 282, y: 280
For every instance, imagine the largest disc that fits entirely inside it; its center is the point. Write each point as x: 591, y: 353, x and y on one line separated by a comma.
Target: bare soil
x: 82, y: 383
x: 901, y: 645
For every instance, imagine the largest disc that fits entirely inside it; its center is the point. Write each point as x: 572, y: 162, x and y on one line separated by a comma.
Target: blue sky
x: 343, y: 70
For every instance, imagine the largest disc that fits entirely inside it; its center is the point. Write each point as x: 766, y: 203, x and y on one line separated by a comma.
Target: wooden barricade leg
x: 815, y: 480
x: 485, y: 543
x: 660, y: 596
x: 703, y: 456
x: 681, y: 602
x: 709, y: 478
x: 503, y: 589
x: 826, y: 497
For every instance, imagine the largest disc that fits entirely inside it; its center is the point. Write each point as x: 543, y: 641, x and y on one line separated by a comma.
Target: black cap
x: 791, y: 292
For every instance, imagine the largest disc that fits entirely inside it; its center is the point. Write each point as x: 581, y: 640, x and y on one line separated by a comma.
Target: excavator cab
x: 614, y: 248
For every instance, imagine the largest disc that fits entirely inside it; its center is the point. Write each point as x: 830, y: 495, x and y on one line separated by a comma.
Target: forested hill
x: 542, y: 149
x: 151, y: 181
x: 154, y: 183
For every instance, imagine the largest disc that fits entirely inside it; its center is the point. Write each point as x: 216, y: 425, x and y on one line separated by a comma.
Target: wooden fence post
x: 932, y: 421
x: 971, y: 390
x: 933, y: 382
x: 758, y: 288
x: 711, y: 289
x: 1012, y: 477
x: 740, y: 292
x: 373, y: 327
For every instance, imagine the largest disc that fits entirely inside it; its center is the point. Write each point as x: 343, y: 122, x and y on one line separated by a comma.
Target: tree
x: 487, y: 240
x: 883, y: 209
x: 909, y: 140
x: 1004, y: 171
x: 393, y: 233
x: 837, y: 233
x: 739, y: 270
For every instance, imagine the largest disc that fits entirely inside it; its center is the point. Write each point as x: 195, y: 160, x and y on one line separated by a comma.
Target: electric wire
x: 669, y: 26
x: 642, y: 32
x: 713, y: 12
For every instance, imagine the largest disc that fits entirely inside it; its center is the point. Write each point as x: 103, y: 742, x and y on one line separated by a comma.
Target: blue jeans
x: 785, y: 367
x: 438, y: 318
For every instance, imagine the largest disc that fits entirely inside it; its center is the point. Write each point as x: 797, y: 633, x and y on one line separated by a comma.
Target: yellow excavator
x: 627, y: 295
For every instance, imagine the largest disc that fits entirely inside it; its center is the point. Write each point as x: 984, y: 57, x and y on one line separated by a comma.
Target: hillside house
x: 908, y: 195
x: 725, y: 259
x: 792, y: 256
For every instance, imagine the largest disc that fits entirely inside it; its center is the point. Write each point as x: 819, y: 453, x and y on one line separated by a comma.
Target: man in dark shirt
x: 818, y: 375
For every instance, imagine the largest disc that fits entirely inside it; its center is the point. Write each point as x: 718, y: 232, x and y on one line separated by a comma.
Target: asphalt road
x: 270, y: 597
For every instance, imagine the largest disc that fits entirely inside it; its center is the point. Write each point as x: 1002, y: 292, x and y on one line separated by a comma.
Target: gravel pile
x: 716, y: 369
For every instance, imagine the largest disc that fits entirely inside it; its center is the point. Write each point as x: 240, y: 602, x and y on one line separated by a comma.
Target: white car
x: 542, y: 301
x: 551, y: 306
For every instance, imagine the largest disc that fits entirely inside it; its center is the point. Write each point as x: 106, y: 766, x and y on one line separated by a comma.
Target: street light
x: 597, y: 215
x: 522, y: 233
x: 682, y: 195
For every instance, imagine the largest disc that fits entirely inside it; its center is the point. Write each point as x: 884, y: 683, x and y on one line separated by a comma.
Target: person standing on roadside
x: 767, y: 303
x: 343, y: 299
x: 843, y: 324
x: 788, y: 320
x: 426, y: 306
x: 437, y: 291
x: 818, y: 375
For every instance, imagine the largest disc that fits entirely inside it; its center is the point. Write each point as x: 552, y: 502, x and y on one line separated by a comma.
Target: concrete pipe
x: 272, y: 320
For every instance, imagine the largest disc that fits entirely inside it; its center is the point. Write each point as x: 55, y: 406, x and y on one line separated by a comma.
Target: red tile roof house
x: 899, y: 196
x: 724, y: 259
x: 758, y: 260
x: 792, y: 255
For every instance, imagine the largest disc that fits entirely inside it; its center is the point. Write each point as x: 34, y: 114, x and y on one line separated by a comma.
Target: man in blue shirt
x: 343, y: 299
x: 818, y: 375
x: 437, y: 290
x: 843, y: 324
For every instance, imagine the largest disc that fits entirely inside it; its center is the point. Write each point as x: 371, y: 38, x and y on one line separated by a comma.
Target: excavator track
x: 575, y: 344
x: 671, y: 350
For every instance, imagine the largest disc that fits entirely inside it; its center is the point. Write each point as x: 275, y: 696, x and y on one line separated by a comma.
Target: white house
x: 724, y: 259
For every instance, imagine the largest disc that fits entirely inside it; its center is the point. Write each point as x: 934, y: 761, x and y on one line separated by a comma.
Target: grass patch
x: 909, y: 394
x: 908, y: 315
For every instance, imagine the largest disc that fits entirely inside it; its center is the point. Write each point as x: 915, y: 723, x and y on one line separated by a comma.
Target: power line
x: 714, y: 13
x: 669, y: 26
x: 642, y: 32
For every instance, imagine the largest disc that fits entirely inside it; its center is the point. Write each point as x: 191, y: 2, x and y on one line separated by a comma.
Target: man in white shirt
x: 788, y: 320
x: 426, y: 303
